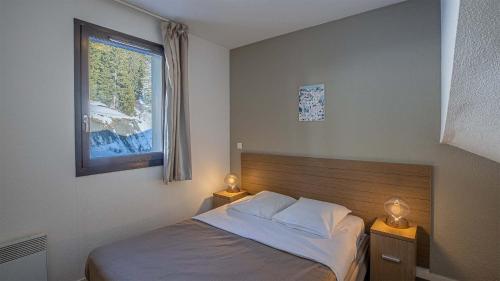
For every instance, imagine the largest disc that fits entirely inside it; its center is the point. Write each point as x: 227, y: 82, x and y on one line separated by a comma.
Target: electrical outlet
x: 239, y: 145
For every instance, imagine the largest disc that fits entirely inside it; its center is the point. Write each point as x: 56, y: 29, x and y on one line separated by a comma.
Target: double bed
x: 195, y: 249
x: 224, y: 244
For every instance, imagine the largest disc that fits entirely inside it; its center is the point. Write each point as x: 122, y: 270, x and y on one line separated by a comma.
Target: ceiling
x: 471, y: 108
x: 235, y: 23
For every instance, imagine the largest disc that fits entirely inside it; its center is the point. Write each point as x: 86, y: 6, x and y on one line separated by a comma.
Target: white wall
x: 39, y: 192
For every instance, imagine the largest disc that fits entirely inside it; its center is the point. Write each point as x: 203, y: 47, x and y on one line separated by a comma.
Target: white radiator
x: 24, y: 259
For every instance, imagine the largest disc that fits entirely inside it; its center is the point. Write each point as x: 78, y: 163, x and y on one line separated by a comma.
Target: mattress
x: 194, y: 250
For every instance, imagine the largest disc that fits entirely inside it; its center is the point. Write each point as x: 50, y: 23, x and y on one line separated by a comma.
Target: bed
x: 196, y: 250
x: 226, y: 245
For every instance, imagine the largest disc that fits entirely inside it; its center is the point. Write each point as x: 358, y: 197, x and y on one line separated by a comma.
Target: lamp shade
x: 231, y: 180
x: 398, y: 210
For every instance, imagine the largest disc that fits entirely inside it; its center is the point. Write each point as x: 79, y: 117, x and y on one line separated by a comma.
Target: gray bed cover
x: 193, y: 250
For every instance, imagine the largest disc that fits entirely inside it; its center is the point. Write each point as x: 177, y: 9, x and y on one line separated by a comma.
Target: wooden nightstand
x: 223, y: 197
x: 393, y: 252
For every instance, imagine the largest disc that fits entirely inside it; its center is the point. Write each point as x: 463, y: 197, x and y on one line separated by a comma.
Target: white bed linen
x: 337, y: 252
x: 318, y: 217
x: 264, y: 204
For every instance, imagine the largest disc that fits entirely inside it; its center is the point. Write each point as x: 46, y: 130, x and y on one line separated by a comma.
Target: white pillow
x: 264, y: 204
x: 313, y: 216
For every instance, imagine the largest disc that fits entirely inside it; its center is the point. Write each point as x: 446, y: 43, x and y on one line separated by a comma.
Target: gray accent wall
x: 381, y: 70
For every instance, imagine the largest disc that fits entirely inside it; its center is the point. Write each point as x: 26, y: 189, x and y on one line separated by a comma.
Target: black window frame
x: 84, y: 164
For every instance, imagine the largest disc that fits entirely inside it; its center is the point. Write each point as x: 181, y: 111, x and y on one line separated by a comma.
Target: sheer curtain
x: 177, y: 142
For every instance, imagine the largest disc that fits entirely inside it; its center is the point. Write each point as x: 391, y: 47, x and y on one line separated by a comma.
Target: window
x: 119, y: 81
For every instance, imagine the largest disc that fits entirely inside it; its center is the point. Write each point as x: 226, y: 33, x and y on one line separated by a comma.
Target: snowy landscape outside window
x: 119, y: 100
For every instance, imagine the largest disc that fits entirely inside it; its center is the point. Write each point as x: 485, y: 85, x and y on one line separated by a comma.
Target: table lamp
x: 232, y: 181
x: 397, y: 209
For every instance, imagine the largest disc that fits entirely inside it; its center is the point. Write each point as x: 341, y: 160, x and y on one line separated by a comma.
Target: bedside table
x: 393, y: 252
x: 223, y: 197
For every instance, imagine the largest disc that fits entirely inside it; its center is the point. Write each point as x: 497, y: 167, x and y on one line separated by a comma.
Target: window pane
x: 125, y: 87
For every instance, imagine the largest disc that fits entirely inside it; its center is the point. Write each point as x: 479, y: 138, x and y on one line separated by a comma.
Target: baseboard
x: 424, y: 273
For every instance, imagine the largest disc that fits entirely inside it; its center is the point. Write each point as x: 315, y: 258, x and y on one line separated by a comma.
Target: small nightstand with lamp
x: 231, y: 193
x: 393, y: 244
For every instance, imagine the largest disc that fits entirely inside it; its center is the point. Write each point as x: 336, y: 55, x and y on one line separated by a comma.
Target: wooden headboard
x: 361, y: 186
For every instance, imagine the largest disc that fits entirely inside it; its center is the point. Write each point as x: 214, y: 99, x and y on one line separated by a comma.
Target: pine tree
x: 118, y: 77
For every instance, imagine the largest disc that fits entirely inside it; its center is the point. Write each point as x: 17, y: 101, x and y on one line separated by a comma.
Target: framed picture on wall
x: 312, y: 103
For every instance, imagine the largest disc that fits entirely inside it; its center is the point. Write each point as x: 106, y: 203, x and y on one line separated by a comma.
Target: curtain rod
x: 143, y: 10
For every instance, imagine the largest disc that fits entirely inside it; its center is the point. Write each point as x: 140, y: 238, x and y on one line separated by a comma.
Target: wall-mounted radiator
x: 24, y: 259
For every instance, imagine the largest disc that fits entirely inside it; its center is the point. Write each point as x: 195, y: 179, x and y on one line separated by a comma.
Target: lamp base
x: 392, y: 222
x: 233, y: 189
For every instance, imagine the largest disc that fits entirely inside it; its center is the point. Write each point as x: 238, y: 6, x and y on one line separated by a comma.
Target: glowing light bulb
x: 396, y: 209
